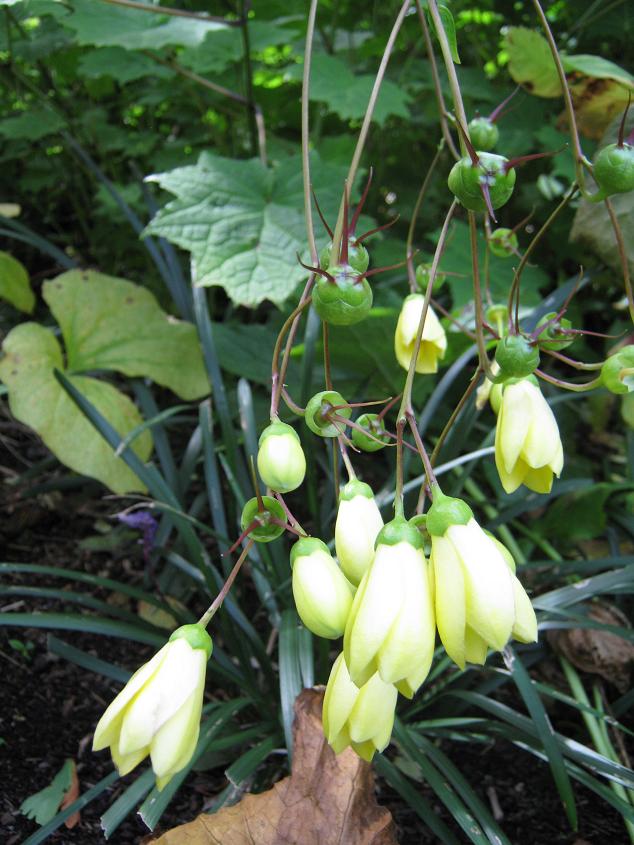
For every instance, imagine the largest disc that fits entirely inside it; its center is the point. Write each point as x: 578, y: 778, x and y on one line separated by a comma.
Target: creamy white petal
x: 358, y: 524
x: 339, y: 700
x: 488, y: 588
x: 376, y: 605
x: 109, y: 725
x: 450, y: 598
x: 512, y: 425
x: 173, y: 683
x: 322, y: 594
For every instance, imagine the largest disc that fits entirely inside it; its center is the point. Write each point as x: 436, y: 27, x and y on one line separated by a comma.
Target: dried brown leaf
x: 599, y: 652
x: 327, y: 800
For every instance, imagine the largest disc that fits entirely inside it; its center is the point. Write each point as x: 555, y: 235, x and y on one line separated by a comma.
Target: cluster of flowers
x: 387, y: 600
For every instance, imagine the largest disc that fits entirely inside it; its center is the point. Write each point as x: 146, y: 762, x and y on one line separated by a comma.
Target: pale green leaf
x: 105, y: 25
x: 31, y: 125
x: 15, y: 286
x: 244, y: 223
x: 112, y: 324
x: 31, y: 354
x: 346, y: 93
x: 42, y: 805
x: 531, y: 63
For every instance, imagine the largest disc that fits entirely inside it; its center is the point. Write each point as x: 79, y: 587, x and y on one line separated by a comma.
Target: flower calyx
x: 263, y: 519
x: 326, y: 413
x: 444, y: 512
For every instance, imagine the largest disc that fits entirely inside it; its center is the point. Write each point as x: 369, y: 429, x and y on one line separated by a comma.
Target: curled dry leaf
x: 599, y: 652
x: 327, y: 800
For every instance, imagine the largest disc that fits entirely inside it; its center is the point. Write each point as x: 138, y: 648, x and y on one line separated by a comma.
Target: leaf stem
x: 451, y: 71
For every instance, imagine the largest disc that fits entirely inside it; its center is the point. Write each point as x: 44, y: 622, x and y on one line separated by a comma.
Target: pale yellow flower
x: 434, y: 341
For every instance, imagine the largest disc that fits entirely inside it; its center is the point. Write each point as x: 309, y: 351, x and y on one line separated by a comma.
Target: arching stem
x: 208, y: 615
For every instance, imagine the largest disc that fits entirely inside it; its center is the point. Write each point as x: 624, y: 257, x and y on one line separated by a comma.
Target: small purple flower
x: 145, y: 522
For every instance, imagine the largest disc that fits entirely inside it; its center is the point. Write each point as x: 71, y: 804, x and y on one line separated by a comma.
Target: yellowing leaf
x: 112, y: 324
x: 327, y: 798
x: 31, y: 354
x: 14, y: 284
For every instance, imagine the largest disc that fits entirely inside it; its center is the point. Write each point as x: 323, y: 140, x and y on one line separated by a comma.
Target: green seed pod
x: 344, y: 301
x: 554, y: 337
x: 318, y: 411
x: 266, y: 530
x: 516, y: 357
x: 613, y: 169
x: 358, y: 257
x: 466, y: 180
x: 374, y: 425
x: 503, y: 243
x: 614, y: 372
x: 281, y: 461
x: 484, y: 133
x: 422, y: 278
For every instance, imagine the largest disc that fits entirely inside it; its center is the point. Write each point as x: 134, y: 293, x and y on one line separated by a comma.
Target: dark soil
x: 49, y: 708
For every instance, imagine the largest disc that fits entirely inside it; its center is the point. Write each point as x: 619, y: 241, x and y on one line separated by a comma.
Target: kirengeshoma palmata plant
x: 394, y: 586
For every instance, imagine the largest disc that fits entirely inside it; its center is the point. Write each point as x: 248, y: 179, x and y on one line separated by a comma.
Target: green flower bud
x: 516, y: 357
x: 266, y: 531
x: 446, y: 511
x: 196, y: 636
x: 281, y: 461
x: 484, y: 133
x: 555, y: 337
x: 319, y: 409
x: 322, y: 593
x: 344, y: 300
x: 466, y: 180
x: 374, y: 426
x: 399, y: 530
x: 617, y: 373
x: 503, y: 243
x: 613, y: 169
x: 422, y: 277
x: 358, y: 257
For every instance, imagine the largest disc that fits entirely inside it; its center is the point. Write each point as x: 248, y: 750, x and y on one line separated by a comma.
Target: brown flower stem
x: 166, y: 10
x: 327, y: 373
x: 207, y: 616
x: 568, y: 385
x: 458, y: 105
x: 620, y: 244
x: 410, y: 233
x: 278, y: 373
x: 580, y: 159
x: 454, y: 415
x: 442, y: 109
x: 485, y: 364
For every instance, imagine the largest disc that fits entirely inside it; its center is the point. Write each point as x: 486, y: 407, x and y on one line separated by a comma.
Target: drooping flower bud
x: 322, y: 593
x: 617, y: 373
x: 360, y: 717
x: 281, y: 461
x: 358, y: 524
x: 158, y: 710
x: 391, y: 629
x: 528, y: 448
x: 434, y: 342
x: 479, y: 601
